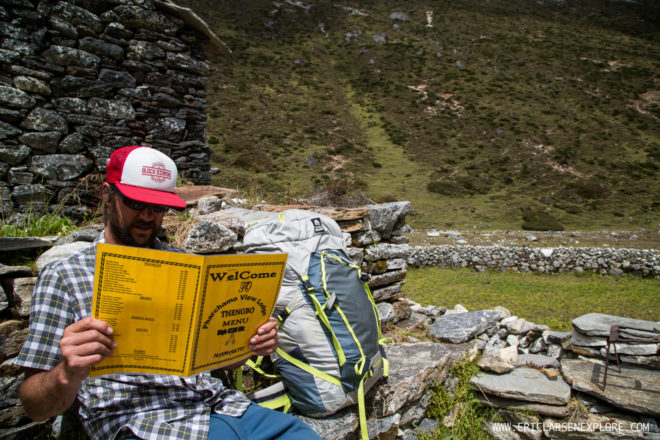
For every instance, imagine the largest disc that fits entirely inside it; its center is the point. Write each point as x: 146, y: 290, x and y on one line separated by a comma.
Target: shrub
x: 446, y: 188
x: 540, y: 221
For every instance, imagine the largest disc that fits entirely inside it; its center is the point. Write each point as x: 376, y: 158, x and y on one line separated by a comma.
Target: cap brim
x: 151, y: 196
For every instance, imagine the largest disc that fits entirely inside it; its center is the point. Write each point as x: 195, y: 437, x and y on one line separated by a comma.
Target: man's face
x: 130, y: 227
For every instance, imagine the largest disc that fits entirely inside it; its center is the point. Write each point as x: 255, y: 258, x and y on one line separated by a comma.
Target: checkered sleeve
x: 50, y: 313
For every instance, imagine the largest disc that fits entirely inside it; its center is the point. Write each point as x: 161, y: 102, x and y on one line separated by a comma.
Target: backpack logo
x: 318, y: 227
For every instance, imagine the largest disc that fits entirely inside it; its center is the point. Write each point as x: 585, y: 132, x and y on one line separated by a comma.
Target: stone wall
x: 79, y: 80
x: 604, y: 261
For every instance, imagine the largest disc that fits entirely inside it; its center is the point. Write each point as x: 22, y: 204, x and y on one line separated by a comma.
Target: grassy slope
x: 504, y: 105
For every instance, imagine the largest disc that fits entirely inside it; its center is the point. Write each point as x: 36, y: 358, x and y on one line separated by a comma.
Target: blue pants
x: 258, y: 423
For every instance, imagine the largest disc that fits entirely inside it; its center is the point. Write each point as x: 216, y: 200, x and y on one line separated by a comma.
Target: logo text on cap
x: 157, y: 172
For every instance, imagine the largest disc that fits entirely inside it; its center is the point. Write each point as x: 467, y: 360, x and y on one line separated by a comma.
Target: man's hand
x: 265, y: 341
x: 83, y: 344
x: 49, y: 393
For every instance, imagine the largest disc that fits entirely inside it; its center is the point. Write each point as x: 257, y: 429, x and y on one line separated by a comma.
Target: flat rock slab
x: 633, y: 389
x: 526, y: 384
x: 413, y: 368
x: 19, y: 243
x: 192, y: 193
x: 598, y: 324
x: 539, y: 408
x: 461, y: 327
x: 536, y: 361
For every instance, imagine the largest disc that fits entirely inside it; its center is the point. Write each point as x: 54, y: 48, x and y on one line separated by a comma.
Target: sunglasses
x: 138, y: 206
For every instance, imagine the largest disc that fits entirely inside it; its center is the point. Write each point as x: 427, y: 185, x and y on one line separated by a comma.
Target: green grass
x: 550, y: 299
x: 469, y: 415
x: 33, y: 225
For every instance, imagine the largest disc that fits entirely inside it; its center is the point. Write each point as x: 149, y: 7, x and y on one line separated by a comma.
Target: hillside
x: 481, y: 113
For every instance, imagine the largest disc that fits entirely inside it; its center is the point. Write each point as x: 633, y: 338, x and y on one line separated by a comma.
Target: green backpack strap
x: 256, y: 366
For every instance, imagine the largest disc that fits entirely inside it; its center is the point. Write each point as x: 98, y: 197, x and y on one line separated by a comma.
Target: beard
x: 122, y: 233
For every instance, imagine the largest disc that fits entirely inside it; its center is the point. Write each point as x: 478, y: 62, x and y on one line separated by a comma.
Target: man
x: 64, y: 341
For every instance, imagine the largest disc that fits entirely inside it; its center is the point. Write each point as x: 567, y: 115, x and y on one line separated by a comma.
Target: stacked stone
x: 77, y: 82
x: 591, y: 331
x: 370, y: 234
x: 16, y: 285
x: 379, y: 247
x: 527, y: 367
x: 604, y: 261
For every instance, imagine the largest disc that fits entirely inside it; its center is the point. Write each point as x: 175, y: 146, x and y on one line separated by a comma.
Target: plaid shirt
x: 150, y: 406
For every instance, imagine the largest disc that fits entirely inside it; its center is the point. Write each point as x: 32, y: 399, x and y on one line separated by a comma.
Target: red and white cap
x: 144, y: 174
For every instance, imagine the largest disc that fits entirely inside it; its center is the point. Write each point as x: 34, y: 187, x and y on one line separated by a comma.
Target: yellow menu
x: 181, y: 314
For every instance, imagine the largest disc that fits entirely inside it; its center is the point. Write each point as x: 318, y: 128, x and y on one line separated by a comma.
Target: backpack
x: 330, y: 350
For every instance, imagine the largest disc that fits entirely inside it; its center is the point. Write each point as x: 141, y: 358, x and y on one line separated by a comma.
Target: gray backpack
x: 330, y: 349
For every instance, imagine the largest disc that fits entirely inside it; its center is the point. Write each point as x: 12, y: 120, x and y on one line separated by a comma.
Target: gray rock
x: 494, y: 363
x: 42, y: 119
x: 538, y: 346
x: 399, y: 16
x: 12, y: 336
x: 457, y: 328
x: 101, y: 48
x: 209, y: 204
x: 598, y: 324
x: 633, y: 389
x: 559, y: 337
x: 61, y: 166
x: 22, y: 295
x: 384, y: 251
x: 4, y: 300
x: 35, y: 195
x: 554, y: 351
x: 14, y: 271
x: 413, y: 367
x: 582, y: 340
x: 416, y: 411
x: 494, y: 345
x: 427, y: 426
x: 19, y: 176
x: 208, y: 237
x: 385, y: 311
x: 56, y: 253
x: 32, y: 85
x: 73, y: 143
x: 334, y: 427
x: 42, y: 141
x: 68, y: 56
x: 632, y: 349
x: 78, y: 16
x: 503, y: 311
x: 384, y: 427
x: 386, y: 278
x: 386, y: 217
x: 13, y: 97
x: 388, y: 292
x: 14, y: 155
x: 536, y: 361
x: 525, y: 384
x: 495, y: 431
x: 85, y: 235
x: 366, y: 238
x: 113, y: 109
x: 380, y: 37
x: 539, y: 408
